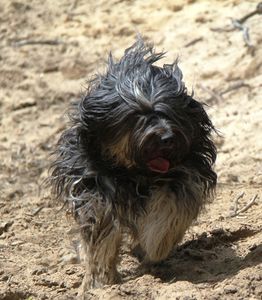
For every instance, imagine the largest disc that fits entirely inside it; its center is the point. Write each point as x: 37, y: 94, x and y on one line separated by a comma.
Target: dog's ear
x: 69, y: 164
x: 197, y: 112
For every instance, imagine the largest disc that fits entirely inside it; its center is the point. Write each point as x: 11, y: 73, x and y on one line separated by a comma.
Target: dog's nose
x: 167, y: 139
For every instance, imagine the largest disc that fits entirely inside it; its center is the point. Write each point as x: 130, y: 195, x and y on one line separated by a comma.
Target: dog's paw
x: 92, y: 281
x: 86, y: 285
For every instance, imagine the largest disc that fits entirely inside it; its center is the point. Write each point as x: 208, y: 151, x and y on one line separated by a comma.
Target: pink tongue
x: 159, y: 165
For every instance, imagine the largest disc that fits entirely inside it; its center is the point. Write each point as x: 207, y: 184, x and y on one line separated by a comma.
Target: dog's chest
x: 164, y: 203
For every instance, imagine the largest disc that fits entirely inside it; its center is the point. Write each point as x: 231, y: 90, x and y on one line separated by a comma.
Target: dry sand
x: 221, y: 255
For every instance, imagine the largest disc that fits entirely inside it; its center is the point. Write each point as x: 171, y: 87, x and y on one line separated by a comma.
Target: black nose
x: 167, y: 139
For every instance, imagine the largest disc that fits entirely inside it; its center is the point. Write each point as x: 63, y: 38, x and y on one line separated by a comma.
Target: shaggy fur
x: 138, y: 157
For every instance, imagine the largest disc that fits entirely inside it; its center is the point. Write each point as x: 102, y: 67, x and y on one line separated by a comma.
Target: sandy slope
x: 220, y: 257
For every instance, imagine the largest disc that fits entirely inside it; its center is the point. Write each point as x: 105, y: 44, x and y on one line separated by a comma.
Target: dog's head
x: 138, y: 116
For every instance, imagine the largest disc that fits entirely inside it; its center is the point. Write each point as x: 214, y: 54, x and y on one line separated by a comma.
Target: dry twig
x: 9, y: 279
x: 241, y: 195
x: 72, y: 7
x: 257, y: 11
x: 245, y: 31
x: 235, y: 86
x: 213, y: 94
x: 245, y: 208
x: 238, y: 24
x: 218, y: 96
x: 193, y: 42
x: 36, y: 42
x: 36, y: 211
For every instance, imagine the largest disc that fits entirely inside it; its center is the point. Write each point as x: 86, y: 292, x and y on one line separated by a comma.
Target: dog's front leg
x: 163, y: 225
x: 100, y: 242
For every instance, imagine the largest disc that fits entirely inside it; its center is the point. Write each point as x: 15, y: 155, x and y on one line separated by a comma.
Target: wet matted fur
x: 137, y: 157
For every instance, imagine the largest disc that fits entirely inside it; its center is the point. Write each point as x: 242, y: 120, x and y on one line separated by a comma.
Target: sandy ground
x: 220, y: 256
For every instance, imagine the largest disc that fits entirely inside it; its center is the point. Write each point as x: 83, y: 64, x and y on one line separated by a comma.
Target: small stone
x: 76, y: 284
x: 3, y: 245
x: 23, y: 103
x: 69, y: 259
x: 4, y: 226
x: 252, y: 247
x: 230, y: 289
x: 232, y: 178
x: 218, y: 231
x: 70, y: 272
x: 49, y: 283
x: 175, y: 7
x: 39, y: 271
x: 17, y: 243
x: 62, y: 285
x: 4, y: 278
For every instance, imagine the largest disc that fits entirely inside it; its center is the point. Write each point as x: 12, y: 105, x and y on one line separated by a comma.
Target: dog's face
x: 153, y: 142
x: 139, y: 116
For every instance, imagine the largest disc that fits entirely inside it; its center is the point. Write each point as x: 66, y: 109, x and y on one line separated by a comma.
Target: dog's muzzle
x: 158, y: 153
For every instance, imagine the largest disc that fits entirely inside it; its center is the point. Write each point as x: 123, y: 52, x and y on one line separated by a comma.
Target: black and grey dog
x: 137, y: 158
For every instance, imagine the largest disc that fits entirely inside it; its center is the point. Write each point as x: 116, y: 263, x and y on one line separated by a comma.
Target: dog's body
x: 137, y: 158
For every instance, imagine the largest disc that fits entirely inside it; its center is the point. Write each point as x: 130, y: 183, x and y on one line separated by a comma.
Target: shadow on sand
x: 208, y: 258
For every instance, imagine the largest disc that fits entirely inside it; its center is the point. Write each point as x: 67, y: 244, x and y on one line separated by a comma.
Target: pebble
x: 4, y: 226
x: 47, y: 282
x: 76, y: 284
x: 17, y: 243
x: 69, y: 259
x: 24, y: 103
x: 230, y: 289
x: 39, y: 271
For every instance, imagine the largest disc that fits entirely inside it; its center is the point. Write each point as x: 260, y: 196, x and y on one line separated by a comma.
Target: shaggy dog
x: 137, y: 158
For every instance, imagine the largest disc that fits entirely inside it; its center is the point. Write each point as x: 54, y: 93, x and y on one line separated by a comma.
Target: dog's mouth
x: 159, y: 165
x: 159, y: 162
